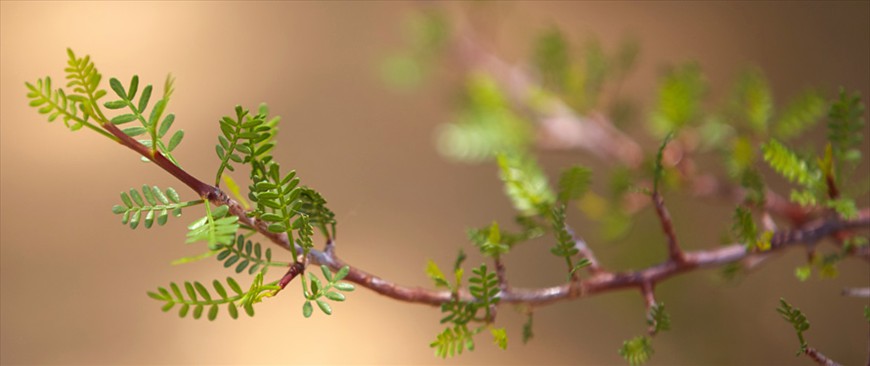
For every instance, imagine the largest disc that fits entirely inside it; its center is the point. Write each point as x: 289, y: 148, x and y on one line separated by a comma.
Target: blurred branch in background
x: 557, y: 99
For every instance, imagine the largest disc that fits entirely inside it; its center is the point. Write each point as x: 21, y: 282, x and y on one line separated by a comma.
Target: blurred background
x: 73, y: 279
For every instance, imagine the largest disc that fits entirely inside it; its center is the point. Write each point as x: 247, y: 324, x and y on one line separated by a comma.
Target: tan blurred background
x: 74, y: 279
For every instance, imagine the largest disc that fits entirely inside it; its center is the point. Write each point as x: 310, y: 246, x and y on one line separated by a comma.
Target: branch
x: 820, y: 358
x: 674, y: 251
x: 585, y: 251
x: 605, y: 282
x: 599, y: 283
x: 560, y: 127
x: 857, y: 292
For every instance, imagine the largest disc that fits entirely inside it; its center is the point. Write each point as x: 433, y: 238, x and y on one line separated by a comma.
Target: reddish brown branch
x: 201, y: 188
x: 600, y: 282
x: 594, y: 267
x: 501, y: 273
x: 820, y: 358
x: 605, y: 282
x: 295, y: 269
x: 674, y: 251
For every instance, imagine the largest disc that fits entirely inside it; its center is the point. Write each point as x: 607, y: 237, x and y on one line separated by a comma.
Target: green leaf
x: 845, y: 207
x: 490, y: 243
x: 198, y: 298
x: 636, y: 351
x: 659, y: 168
x: 342, y: 273
x: 307, y: 309
x: 343, y: 286
x: 214, y: 228
x: 483, y: 286
x: 165, y: 125
x: 486, y: 126
x: 335, y: 296
x: 565, y: 245
x: 453, y: 341
x: 234, y: 312
x: 845, y: 123
x: 658, y: 318
x: 324, y: 306
x: 525, y: 184
x: 124, y: 118
x: 796, y: 170
x: 175, y: 140
x: 115, y: 104
x: 527, y: 329
x: 436, y: 275
x: 744, y: 226
x: 800, y: 114
x: 754, y: 100
x: 803, y: 272
x: 679, y: 98
x: 246, y: 253
x: 499, y: 337
x: 552, y: 58
x: 143, y: 100
x: 155, y: 203
x: 797, y: 319
x: 573, y: 183
x: 134, y: 85
x: 118, y: 88
x: 212, y: 310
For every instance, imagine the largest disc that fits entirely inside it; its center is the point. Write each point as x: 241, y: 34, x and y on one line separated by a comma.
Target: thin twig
x: 820, y: 358
x: 674, y: 251
x: 857, y: 292
x: 501, y: 273
x: 594, y: 267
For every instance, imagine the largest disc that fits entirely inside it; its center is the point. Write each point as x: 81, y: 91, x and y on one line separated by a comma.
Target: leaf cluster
x: 825, y: 266
x: 573, y: 183
x: 55, y: 103
x: 797, y: 319
x: 679, y: 100
x: 152, y: 125
x: 216, y: 227
x: 579, y: 80
x: 453, y: 341
x: 845, y: 121
x: 490, y: 241
x: 525, y: 184
x: 529, y: 229
x: 637, y: 350
x: 313, y: 205
x: 317, y: 292
x: 85, y: 80
x: 483, y: 286
x: 244, y: 254
x: 197, y: 297
x: 154, y: 203
x: 425, y: 33
x: 485, y: 126
x: 244, y: 134
x: 565, y: 243
x: 747, y: 232
x: 277, y: 201
x: 658, y: 319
